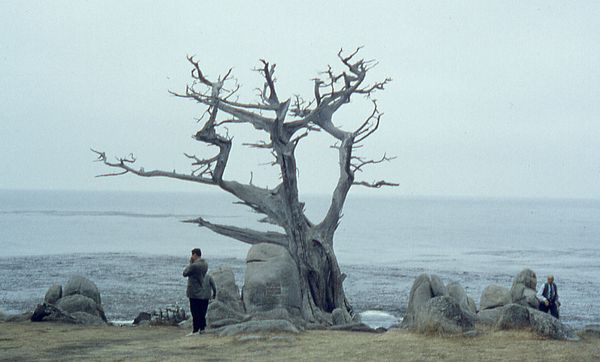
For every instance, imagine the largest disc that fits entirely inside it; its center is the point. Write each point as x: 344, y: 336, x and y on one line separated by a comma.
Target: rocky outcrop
x: 53, y: 294
x: 514, y: 316
x: 447, y: 313
x: 521, y: 312
x: 271, y: 280
x: 546, y: 325
x: 340, y: 316
x: 442, y: 316
x: 220, y: 314
x: 438, y: 288
x: 458, y: 293
x: 227, y: 291
x: 78, y: 302
x: 82, y: 286
x: 420, y: 293
x: 494, y: 296
x: 523, y: 290
x: 142, y: 317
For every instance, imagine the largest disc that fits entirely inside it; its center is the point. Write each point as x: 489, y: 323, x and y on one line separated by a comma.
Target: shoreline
x: 127, y: 292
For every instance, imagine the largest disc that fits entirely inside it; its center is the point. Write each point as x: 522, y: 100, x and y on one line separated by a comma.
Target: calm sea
x: 134, y: 246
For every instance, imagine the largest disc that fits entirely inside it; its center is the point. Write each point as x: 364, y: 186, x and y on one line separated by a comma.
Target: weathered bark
x: 310, y: 245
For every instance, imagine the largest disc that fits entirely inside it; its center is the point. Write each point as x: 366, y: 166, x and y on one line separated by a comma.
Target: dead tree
x: 286, y: 123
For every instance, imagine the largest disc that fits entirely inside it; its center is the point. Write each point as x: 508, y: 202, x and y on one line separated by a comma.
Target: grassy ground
x: 51, y: 341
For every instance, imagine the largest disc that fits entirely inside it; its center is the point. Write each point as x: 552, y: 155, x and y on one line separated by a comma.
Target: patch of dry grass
x: 50, y: 341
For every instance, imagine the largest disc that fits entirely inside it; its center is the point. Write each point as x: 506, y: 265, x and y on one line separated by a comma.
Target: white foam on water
x: 377, y: 318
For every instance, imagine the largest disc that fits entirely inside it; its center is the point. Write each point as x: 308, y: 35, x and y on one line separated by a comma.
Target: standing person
x: 549, y: 297
x: 195, y: 272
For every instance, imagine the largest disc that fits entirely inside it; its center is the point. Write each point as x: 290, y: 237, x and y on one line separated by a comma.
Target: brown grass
x: 50, y: 341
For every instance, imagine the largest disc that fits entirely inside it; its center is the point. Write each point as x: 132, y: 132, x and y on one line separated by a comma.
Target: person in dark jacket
x: 549, y: 297
x: 199, y: 288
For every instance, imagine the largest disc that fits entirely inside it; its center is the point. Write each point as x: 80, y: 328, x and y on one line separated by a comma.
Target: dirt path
x: 49, y: 341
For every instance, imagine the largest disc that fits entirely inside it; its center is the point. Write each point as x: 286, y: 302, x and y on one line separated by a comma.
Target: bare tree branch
x: 375, y: 185
x: 247, y: 236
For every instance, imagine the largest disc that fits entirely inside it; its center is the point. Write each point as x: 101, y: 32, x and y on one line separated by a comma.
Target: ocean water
x: 134, y: 246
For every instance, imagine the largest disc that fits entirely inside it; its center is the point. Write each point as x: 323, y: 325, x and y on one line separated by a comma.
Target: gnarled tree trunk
x: 309, y: 244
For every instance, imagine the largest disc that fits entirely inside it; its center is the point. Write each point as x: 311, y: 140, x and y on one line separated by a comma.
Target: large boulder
x: 80, y: 303
x: 513, y: 316
x: 219, y: 314
x: 527, y: 277
x: 546, y: 325
x: 490, y: 317
x: 442, y: 316
x: 420, y: 293
x: 523, y: 290
x: 494, y: 296
x: 340, y: 316
x: 51, y: 313
x: 227, y: 291
x: 83, y: 286
x: 438, y: 288
x: 458, y: 293
x: 53, y: 294
x: 271, y: 280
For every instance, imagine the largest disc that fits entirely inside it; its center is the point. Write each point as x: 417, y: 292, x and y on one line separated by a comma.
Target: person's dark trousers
x: 552, y: 308
x: 203, y: 308
x: 196, y: 310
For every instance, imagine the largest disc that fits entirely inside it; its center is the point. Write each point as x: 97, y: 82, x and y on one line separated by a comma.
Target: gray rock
x: 527, y: 278
x: 218, y: 311
x: 227, y: 291
x: 80, y: 303
x: 438, y: 288
x: 546, y: 325
x: 471, y: 306
x: 523, y: 288
x: 275, y: 313
x: 82, y: 286
x: 271, y: 280
x: 356, y: 327
x: 186, y: 324
x: 530, y: 298
x: 53, y: 294
x: 223, y: 323
x: 494, y: 296
x: 591, y: 330
x: 87, y: 319
x: 263, y: 326
x: 51, y: 313
x: 442, y: 316
x: 458, y: 293
x: 513, y: 316
x: 142, y: 316
x: 420, y: 293
x: 490, y: 317
x: 340, y: 316
x: 516, y: 294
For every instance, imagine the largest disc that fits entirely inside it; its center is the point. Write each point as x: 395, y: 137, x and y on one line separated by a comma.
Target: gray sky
x: 488, y: 98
